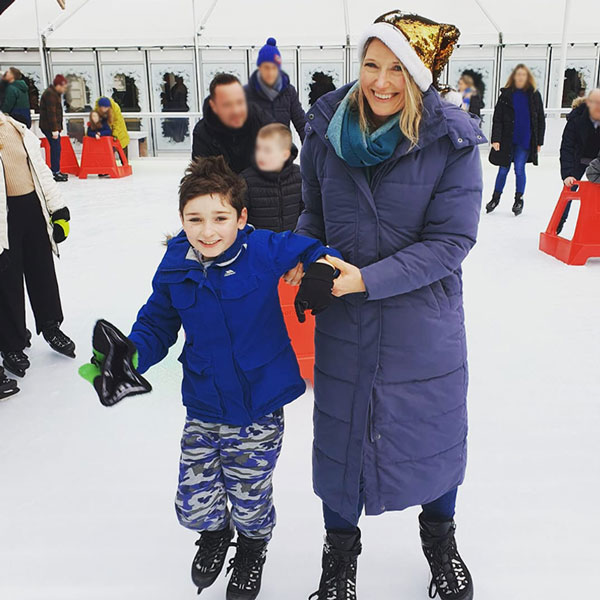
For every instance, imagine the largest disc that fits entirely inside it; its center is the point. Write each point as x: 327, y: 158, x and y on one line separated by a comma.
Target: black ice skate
x: 210, y: 558
x: 246, y: 567
x: 118, y: 375
x: 60, y: 177
x: 450, y: 578
x: 58, y: 341
x: 340, y: 562
x: 518, y: 205
x: 8, y: 387
x: 493, y: 203
x: 28, y: 338
x: 16, y: 362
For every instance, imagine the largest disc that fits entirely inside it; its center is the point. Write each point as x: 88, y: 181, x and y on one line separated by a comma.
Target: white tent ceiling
x: 292, y: 22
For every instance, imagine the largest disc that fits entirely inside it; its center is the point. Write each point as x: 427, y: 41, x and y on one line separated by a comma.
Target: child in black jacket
x: 274, y: 196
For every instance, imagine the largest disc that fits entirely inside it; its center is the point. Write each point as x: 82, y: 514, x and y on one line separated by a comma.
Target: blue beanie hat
x: 269, y: 53
x: 104, y: 102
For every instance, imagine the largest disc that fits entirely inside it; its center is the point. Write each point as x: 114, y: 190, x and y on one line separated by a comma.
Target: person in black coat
x: 229, y: 124
x: 269, y: 87
x: 580, y: 143
x: 274, y: 194
x: 471, y: 100
x: 518, y: 129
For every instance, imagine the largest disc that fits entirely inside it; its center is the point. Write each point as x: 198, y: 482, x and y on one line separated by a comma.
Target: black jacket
x: 475, y: 105
x: 212, y: 138
x: 274, y: 200
x: 503, y: 126
x: 285, y: 108
x: 580, y: 143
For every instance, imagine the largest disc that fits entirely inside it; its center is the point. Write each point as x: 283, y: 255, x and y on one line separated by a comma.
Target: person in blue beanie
x: 270, y: 88
x: 219, y: 280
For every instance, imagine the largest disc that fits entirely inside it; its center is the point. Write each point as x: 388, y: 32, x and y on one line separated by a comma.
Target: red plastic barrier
x: 586, y: 239
x: 68, y: 160
x: 98, y: 158
x: 301, y: 334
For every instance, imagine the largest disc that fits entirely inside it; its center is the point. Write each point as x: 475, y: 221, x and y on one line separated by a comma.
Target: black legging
x: 29, y: 255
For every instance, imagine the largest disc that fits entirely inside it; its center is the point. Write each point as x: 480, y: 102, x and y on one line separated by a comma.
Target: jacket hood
x: 581, y: 111
x: 19, y: 83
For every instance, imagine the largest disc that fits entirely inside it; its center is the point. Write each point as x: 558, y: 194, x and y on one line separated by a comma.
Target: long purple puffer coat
x: 391, y: 365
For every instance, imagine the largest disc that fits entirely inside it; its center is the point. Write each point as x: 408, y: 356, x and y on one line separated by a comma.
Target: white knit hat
x: 421, y: 45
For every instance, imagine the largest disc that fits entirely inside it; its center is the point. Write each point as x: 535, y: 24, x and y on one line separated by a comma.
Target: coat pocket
x: 199, y: 388
x: 183, y: 294
x: 235, y: 286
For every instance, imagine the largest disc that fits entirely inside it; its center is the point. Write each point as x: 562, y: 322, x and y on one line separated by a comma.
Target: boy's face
x: 270, y: 155
x: 211, y: 224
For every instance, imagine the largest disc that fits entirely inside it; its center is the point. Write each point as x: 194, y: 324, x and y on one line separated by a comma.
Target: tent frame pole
x: 41, y: 47
x: 563, y: 54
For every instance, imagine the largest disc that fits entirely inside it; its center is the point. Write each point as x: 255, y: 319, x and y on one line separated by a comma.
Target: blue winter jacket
x: 238, y: 363
x: 105, y: 130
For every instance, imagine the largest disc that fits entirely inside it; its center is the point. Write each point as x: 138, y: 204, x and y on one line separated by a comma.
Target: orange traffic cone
x: 586, y: 239
x: 68, y: 160
x: 98, y: 158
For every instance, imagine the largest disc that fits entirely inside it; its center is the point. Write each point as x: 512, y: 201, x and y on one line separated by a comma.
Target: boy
x: 219, y: 280
x: 274, y: 197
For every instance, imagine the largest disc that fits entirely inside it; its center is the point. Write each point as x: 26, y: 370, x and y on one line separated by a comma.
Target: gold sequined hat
x: 423, y: 46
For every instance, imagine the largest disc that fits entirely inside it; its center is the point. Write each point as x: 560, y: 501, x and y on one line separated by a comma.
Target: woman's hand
x: 350, y: 280
x: 496, y: 146
x: 294, y: 276
x: 98, y: 136
x: 539, y: 148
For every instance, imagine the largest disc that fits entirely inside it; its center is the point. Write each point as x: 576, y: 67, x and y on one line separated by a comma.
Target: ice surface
x: 86, y: 496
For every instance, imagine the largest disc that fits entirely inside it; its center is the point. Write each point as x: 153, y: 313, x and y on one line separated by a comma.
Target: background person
x: 270, y: 88
x: 108, y: 109
x: 16, y: 97
x: 518, y: 129
x: 471, y: 101
x: 51, y: 122
x: 229, y: 124
x: 98, y: 126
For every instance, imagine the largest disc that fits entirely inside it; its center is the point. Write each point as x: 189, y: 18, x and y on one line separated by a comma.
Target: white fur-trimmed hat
x: 421, y: 45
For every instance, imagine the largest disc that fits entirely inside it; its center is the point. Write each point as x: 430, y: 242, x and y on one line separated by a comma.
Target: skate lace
x: 246, y: 566
x: 339, y: 578
x: 448, y: 575
x: 58, y: 338
x: 210, y: 549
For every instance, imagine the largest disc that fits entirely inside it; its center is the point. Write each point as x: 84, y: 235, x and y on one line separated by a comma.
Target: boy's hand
x: 315, y: 290
x: 294, y: 276
x: 112, y: 369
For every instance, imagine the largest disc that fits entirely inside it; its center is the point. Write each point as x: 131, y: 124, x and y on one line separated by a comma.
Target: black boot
x: 8, y: 387
x: 450, y: 578
x: 246, y: 567
x: 339, y: 564
x: 58, y: 341
x: 491, y: 205
x: 60, y: 177
x: 16, y: 362
x: 518, y: 205
x: 28, y: 337
x: 209, y: 560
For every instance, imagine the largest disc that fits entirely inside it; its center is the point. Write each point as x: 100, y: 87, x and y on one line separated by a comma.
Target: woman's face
x: 462, y: 86
x: 381, y: 80
x: 520, y: 79
x: 95, y: 117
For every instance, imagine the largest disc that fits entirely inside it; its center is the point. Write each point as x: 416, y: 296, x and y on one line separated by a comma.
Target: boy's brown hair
x: 277, y: 130
x: 212, y: 175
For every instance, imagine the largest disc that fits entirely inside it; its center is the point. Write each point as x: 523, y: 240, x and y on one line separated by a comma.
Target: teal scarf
x: 356, y: 147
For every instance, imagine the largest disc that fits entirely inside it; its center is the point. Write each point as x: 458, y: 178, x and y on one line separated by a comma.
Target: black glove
x: 60, y: 221
x: 113, y: 367
x: 315, y: 290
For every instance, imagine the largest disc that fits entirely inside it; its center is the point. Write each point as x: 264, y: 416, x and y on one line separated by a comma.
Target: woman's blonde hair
x: 531, y: 82
x: 410, y: 115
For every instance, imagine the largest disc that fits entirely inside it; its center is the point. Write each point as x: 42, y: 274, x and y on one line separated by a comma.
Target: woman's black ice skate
x: 28, y: 338
x: 8, y: 387
x: 340, y: 562
x: 16, y: 362
x: 450, y: 579
x: 493, y: 203
x: 246, y: 568
x: 58, y: 341
x: 210, y: 558
x: 518, y: 205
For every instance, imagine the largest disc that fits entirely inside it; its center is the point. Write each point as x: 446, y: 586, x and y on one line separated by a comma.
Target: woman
x: 471, y: 101
x: 392, y: 179
x: 98, y: 126
x: 16, y: 97
x: 33, y: 219
x: 270, y: 88
x: 518, y: 129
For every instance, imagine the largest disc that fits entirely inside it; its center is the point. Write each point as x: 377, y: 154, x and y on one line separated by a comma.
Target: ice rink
x: 86, y: 496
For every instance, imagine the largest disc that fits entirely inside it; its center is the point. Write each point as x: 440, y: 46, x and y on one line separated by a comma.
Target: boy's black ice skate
x: 58, y: 341
x: 340, y: 562
x: 450, y: 578
x: 16, y: 362
x: 493, y: 203
x: 246, y: 568
x: 518, y: 205
x: 8, y: 387
x: 210, y: 558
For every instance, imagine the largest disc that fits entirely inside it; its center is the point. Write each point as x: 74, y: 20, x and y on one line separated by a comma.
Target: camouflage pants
x: 221, y: 463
